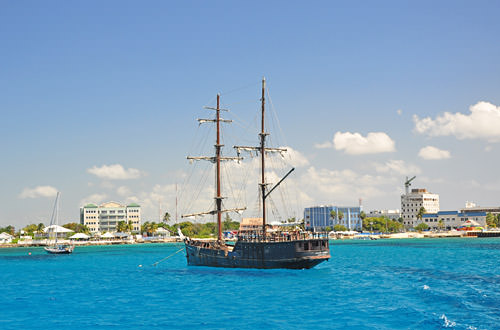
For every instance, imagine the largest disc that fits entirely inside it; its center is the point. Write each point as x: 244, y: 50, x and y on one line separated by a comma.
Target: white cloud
x: 399, y: 167
x: 39, y: 191
x: 483, y: 122
x: 356, y: 144
x: 295, y: 158
x: 433, y: 153
x: 341, y: 185
x: 123, y: 191
x: 115, y: 172
x: 324, y: 145
x: 94, y: 199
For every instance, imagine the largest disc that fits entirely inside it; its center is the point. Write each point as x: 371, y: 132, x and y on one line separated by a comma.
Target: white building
x: 390, y: 214
x: 449, y: 220
x: 412, y: 202
x: 6, y: 238
x: 105, y: 217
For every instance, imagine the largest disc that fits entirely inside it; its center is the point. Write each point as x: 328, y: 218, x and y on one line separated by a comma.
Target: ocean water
x: 384, y: 284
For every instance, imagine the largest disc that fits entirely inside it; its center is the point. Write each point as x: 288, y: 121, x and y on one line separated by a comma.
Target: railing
x: 280, y: 236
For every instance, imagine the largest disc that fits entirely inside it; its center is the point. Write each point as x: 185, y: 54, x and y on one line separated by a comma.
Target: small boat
x: 259, y: 248
x: 55, y: 247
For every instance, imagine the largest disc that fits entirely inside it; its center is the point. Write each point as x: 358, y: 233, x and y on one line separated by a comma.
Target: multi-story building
x: 319, y: 217
x: 448, y: 220
x: 413, y: 201
x: 105, y: 217
x: 390, y: 214
x: 472, y: 208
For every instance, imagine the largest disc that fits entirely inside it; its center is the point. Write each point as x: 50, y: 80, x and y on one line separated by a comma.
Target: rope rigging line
x: 162, y: 260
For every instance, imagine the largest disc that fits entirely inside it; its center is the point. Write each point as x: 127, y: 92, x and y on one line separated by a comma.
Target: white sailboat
x: 53, y: 246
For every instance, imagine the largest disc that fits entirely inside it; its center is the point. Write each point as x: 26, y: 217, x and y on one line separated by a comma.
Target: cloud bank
x: 433, y: 153
x: 356, y: 144
x: 482, y: 122
x: 398, y: 167
x: 39, y: 191
x: 115, y: 172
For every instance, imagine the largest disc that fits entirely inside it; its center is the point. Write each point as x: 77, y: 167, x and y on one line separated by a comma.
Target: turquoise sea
x: 384, y: 284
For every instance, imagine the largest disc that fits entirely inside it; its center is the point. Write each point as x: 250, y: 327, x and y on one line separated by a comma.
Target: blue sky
x: 98, y: 99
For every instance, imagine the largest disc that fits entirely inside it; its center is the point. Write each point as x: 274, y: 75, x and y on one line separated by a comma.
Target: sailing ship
x: 53, y: 246
x: 261, y: 248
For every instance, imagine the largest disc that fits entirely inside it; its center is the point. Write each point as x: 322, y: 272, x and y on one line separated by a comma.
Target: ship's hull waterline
x: 261, y: 255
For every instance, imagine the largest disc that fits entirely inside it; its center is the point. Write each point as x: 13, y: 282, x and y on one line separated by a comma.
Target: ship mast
x: 262, y: 157
x: 217, y: 160
x: 262, y: 149
x: 218, y: 197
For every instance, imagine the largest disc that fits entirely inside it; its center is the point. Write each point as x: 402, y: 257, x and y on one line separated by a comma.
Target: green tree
x: 40, y: 228
x: 149, y: 228
x: 382, y: 224
x: 339, y: 228
x: 421, y: 226
x: 362, y: 215
x: 338, y: 214
x: 166, y: 217
x: 9, y: 230
x: 124, y: 227
x: 491, y: 220
x: 421, y: 213
x: 30, y: 229
x: 441, y: 224
x: 328, y: 229
x: 77, y: 227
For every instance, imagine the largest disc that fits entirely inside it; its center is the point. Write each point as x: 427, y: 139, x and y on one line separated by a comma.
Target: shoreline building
x: 394, y: 215
x: 471, y: 207
x: 319, y: 217
x: 413, y: 201
x: 105, y: 217
x: 449, y: 220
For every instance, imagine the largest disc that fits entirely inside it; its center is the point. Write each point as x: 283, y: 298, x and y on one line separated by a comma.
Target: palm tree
x: 421, y: 213
x: 39, y: 228
x: 441, y: 224
x: 121, y: 227
x: 341, y: 215
x: 166, y: 217
x: 333, y: 214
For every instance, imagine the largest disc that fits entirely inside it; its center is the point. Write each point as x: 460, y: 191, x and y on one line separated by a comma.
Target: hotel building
x: 448, y: 220
x: 413, y: 201
x: 319, y: 217
x: 105, y: 217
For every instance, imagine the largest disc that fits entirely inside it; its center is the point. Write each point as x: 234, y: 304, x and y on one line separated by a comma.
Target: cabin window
x: 306, y: 246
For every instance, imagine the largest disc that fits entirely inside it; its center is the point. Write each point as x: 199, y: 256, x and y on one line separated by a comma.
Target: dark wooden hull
x: 295, y: 254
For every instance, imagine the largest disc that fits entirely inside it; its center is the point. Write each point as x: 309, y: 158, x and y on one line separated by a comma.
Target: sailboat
x: 53, y: 246
x: 260, y: 248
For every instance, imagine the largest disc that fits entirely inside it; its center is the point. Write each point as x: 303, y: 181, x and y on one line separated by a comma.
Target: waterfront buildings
x: 105, y: 217
x: 251, y: 225
x: 319, y: 217
x: 390, y: 214
x: 448, y: 220
x: 413, y: 201
x: 473, y: 208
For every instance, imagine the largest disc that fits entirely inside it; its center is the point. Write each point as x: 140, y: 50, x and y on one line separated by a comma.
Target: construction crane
x: 408, y: 184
